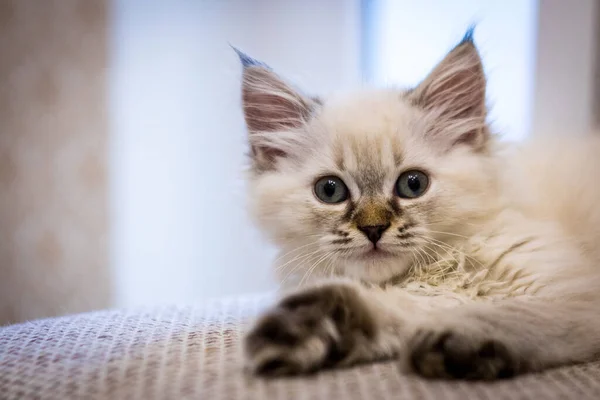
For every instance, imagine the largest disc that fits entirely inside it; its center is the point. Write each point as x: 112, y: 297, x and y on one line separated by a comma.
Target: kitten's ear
x: 454, y: 93
x: 274, y: 111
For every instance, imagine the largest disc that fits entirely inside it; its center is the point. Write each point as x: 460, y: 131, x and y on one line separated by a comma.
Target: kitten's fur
x: 492, y: 272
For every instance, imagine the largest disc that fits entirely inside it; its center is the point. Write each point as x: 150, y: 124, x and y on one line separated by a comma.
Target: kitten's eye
x: 331, y: 190
x: 411, y: 184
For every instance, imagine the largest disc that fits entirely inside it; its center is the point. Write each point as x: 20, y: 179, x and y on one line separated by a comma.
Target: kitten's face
x: 368, y: 184
x: 370, y: 172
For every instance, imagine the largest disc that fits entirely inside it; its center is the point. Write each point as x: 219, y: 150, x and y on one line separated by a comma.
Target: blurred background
x: 122, y: 143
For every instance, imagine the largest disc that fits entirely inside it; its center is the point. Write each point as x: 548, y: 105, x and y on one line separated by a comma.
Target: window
x: 405, y: 39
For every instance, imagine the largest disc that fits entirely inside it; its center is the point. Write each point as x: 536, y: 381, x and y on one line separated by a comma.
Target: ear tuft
x: 274, y: 112
x: 469, y: 36
x: 248, y: 61
x: 454, y: 93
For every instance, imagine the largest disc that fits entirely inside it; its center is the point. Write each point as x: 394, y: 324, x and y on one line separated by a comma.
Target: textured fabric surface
x: 194, y: 353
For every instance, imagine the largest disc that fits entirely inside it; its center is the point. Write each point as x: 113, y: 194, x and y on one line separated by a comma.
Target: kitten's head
x: 367, y: 184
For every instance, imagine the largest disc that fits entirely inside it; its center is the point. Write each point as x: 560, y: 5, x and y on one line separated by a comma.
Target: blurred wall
x: 53, y: 140
x: 566, y: 76
x: 596, y: 76
x: 179, y: 227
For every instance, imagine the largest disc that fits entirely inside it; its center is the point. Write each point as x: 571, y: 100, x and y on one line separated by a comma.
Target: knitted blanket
x: 195, y: 353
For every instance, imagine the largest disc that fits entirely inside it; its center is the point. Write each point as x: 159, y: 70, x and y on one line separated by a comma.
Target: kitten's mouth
x: 375, y: 253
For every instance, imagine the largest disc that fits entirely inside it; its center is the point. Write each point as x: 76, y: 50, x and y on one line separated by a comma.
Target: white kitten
x: 414, y: 233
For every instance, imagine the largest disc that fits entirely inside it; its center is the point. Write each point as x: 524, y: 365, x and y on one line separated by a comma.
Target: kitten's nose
x: 373, y: 232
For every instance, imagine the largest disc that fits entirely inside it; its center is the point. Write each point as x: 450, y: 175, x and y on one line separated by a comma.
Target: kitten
x: 414, y: 233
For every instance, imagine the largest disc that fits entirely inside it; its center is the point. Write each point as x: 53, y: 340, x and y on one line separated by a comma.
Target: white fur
x: 508, y: 236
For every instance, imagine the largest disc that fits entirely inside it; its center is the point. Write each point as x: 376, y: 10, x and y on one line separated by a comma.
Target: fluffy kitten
x: 415, y: 233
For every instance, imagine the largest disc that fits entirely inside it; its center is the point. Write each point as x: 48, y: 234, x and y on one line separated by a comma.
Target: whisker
x: 280, y: 257
x: 310, y: 270
x: 455, y: 249
x: 298, y: 266
x: 298, y: 257
x: 448, y: 249
x: 450, y: 234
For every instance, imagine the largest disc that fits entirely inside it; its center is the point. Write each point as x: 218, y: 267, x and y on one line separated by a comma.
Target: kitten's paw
x: 315, y: 328
x: 453, y: 355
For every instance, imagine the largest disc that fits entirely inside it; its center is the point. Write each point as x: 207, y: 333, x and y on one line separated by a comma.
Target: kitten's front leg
x: 491, y: 341
x: 336, y: 323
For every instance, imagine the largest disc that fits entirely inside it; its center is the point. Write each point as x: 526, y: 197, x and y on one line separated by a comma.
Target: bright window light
x: 406, y: 38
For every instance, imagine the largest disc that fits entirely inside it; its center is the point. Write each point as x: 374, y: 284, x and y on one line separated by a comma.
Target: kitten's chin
x: 376, y: 266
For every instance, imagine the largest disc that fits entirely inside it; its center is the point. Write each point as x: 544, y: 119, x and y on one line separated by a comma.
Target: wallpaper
x: 53, y: 145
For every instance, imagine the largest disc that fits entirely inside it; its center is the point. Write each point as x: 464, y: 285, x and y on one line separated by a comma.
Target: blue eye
x: 412, y: 184
x: 331, y: 190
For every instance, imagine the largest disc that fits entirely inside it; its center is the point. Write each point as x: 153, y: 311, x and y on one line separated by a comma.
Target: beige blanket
x: 194, y: 353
